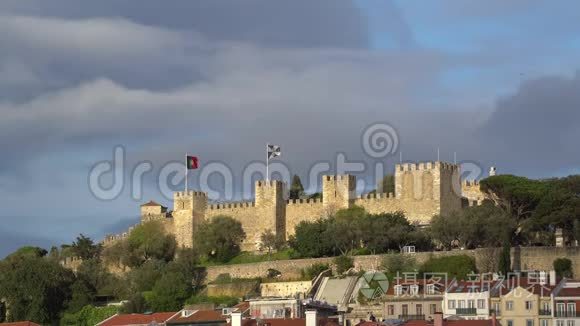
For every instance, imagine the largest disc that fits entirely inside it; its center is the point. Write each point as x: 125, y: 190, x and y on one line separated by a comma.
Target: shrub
x: 563, y: 267
x: 313, y: 271
x: 458, y: 266
x: 399, y: 263
x: 343, y: 263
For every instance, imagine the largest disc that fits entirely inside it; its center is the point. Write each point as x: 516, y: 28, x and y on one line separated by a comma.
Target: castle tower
x: 338, y: 192
x: 188, y: 212
x: 271, y: 204
x: 429, y: 181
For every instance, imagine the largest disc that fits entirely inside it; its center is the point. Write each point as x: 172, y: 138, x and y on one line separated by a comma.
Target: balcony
x: 497, y: 312
x: 412, y: 317
x: 466, y: 311
x: 567, y: 314
x: 544, y: 312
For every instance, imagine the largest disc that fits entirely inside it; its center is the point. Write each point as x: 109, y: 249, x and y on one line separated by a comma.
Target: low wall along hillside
x: 523, y: 258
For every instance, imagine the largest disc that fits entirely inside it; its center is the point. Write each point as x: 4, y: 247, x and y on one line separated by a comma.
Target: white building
x: 468, y: 299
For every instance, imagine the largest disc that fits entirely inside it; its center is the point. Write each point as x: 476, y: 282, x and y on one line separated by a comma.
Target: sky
x: 496, y: 82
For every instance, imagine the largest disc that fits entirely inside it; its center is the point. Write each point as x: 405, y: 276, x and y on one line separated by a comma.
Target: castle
x: 421, y: 191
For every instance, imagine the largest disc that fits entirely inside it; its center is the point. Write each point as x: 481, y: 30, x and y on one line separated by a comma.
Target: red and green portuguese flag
x: 192, y: 162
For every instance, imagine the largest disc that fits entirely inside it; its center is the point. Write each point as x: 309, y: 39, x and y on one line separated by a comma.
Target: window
x: 419, y: 309
x: 480, y: 304
x: 544, y: 322
x: 509, y: 305
x: 529, y: 305
x: 560, y: 307
x: 398, y: 289
x: 414, y: 289
x: 451, y: 304
x: 570, y: 323
x: 460, y: 303
x: 546, y: 306
x: 529, y: 322
x: 405, y: 310
x: 560, y: 323
x: 430, y: 289
x: 571, y: 308
x: 510, y: 323
x: 470, y: 303
x: 391, y: 310
x: 496, y: 307
x: 432, y: 308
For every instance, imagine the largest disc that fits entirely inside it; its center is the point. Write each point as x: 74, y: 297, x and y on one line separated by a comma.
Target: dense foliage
x: 351, y: 229
x: 458, y: 266
x: 220, y: 238
x: 563, y: 267
x: 343, y: 263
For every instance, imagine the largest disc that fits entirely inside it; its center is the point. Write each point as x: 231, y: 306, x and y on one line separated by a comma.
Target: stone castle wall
x: 471, y: 191
x: 523, y: 258
x: 298, y: 210
x: 421, y: 191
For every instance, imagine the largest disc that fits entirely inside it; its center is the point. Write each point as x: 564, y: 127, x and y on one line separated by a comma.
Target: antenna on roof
x: 401, y: 157
x: 454, y: 157
x: 437, y: 154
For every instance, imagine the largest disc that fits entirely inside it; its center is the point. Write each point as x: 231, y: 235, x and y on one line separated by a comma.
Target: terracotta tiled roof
x: 287, y: 322
x: 242, y: 306
x: 569, y: 292
x: 531, y: 285
x: 475, y: 322
x: 20, y: 323
x: 205, y: 316
x: 137, y: 319
x: 473, y: 286
x: 151, y: 203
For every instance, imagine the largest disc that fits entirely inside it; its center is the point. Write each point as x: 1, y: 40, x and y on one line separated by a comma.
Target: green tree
x: 85, y: 248
x: 343, y: 263
x: 135, y: 305
x: 458, y: 266
x: 88, y: 316
x: 505, y: 259
x: 220, y: 238
x: 147, y: 241
x: 270, y: 241
x: 314, y: 270
x: 518, y: 196
x: 296, y: 189
x: 143, y: 278
x: 82, y: 295
x: 563, y: 267
x: 170, y: 292
x: 309, y: 240
x: 34, y: 288
x: 399, y: 263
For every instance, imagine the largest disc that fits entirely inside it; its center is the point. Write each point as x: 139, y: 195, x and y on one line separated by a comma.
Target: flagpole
x: 267, y: 163
x: 186, y: 172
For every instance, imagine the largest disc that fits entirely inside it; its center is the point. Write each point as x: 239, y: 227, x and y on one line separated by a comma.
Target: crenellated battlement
x: 307, y: 201
x: 470, y: 183
x: 190, y: 193
x: 340, y: 177
x: 383, y: 195
x: 232, y: 205
x: 424, y: 166
x: 268, y: 183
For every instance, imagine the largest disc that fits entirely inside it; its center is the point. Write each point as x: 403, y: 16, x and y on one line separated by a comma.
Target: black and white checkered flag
x: 273, y: 151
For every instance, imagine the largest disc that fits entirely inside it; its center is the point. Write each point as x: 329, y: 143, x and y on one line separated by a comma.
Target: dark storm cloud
x: 297, y: 23
x: 537, y: 128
